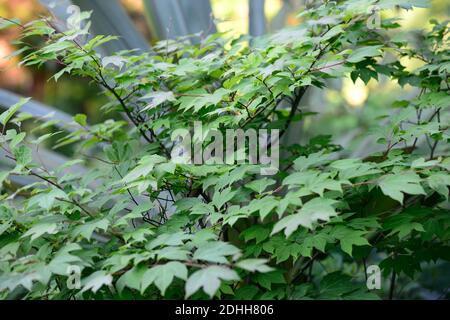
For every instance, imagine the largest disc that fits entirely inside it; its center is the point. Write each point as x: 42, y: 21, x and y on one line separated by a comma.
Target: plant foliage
x: 137, y: 225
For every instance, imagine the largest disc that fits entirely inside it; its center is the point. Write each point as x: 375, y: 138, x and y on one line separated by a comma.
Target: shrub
x: 138, y: 225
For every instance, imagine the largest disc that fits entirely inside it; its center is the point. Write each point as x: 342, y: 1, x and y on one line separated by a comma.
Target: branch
x: 294, y: 107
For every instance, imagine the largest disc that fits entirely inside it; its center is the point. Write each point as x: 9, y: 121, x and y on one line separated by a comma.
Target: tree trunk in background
x: 257, y: 18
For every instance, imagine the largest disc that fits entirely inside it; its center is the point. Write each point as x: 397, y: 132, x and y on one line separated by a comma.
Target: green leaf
x: 4, y: 227
x: 222, y: 197
x: 439, y: 182
x: 267, y: 279
x: 172, y: 253
x: 3, y: 176
x: 6, y: 23
x: 17, y: 138
x: 87, y: 229
x: 145, y: 166
x: 353, y: 168
x: 336, y: 286
x: 131, y: 279
x: 314, y: 182
x: 361, y: 53
x: 46, y: 199
x: 168, y: 239
x: 96, y: 280
x: 318, y: 209
x: 215, y: 252
x: 23, y: 155
x: 312, y: 160
x: 117, y: 61
x: 163, y: 275
x: 406, y: 228
x: 40, y: 229
x: 210, y: 99
x: 394, y: 185
x: 318, y: 241
x: 254, y: 265
x: 259, y: 186
x: 157, y: 98
x: 264, y: 206
x: 139, y: 235
x: 64, y: 258
x: 7, y: 115
x: 209, y: 279
x: 81, y: 119
x: 421, y: 163
x: 349, y: 238
x: 257, y: 232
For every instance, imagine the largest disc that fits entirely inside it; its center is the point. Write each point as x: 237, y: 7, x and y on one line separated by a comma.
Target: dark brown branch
x: 392, y: 287
x: 294, y: 108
